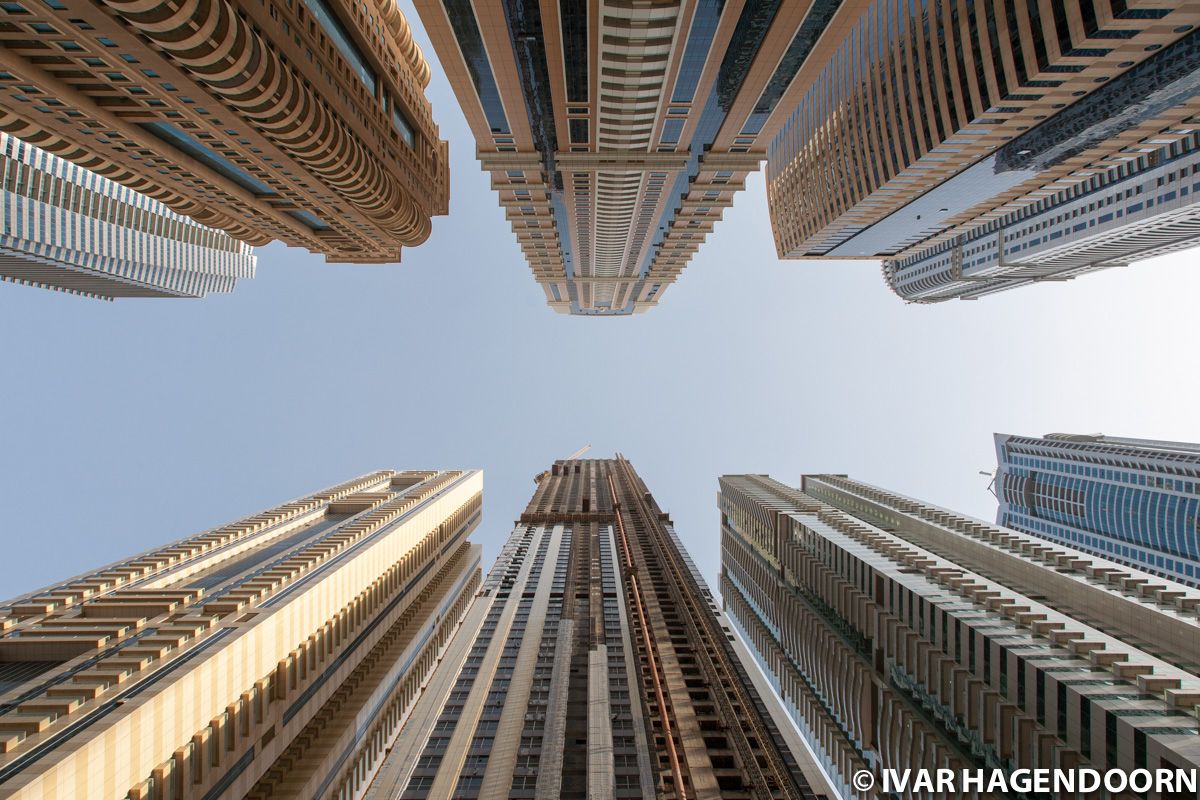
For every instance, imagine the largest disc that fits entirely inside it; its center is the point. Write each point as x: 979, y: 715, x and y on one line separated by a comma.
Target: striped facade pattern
x: 617, y: 132
x: 921, y: 90
x: 303, y: 121
x: 904, y: 636
x: 207, y: 668
x: 594, y: 664
x: 1150, y: 206
x: 1133, y: 501
x: 69, y: 229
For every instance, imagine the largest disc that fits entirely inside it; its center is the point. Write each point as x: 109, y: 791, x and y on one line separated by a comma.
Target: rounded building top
x: 398, y: 24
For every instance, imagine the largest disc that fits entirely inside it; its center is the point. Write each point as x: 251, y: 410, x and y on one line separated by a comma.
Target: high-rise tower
x: 595, y: 664
x: 275, y: 656
x: 977, y: 148
x: 1134, y: 501
x: 905, y: 636
x: 69, y: 229
x: 616, y: 132
x: 1145, y: 204
x: 303, y: 121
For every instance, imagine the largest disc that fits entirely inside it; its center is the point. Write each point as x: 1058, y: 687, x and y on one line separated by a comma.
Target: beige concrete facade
x: 902, y: 635
x: 303, y: 121
x: 206, y: 668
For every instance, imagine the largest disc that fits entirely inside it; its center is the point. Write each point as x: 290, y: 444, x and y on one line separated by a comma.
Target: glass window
x: 203, y: 153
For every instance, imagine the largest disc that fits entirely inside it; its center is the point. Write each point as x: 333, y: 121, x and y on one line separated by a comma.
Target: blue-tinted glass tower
x: 1135, y: 501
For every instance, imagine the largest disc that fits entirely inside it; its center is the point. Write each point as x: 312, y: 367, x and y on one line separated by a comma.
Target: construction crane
x: 538, y: 478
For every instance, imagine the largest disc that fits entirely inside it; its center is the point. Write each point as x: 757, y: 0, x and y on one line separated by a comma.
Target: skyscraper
x: 595, y: 664
x: 976, y: 150
x: 617, y: 132
x: 69, y: 229
x: 905, y: 636
x: 274, y: 656
x: 1146, y: 206
x: 303, y: 121
x: 1133, y: 501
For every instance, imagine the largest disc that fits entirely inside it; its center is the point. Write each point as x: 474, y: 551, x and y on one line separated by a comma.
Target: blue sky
x: 133, y: 423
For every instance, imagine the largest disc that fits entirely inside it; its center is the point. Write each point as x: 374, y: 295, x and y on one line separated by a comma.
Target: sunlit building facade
x: 68, y: 229
x: 302, y: 121
x: 977, y: 150
x: 595, y: 664
x: 1135, y: 501
x: 616, y: 133
x: 276, y: 656
x: 904, y: 636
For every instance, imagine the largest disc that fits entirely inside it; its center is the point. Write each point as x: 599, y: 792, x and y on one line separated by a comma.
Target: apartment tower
x: 616, y: 132
x: 1145, y: 205
x: 300, y: 120
x: 69, y: 229
x: 905, y: 636
x: 594, y: 664
x: 976, y: 147
x: 275, y: 656
x: 1134, y: 501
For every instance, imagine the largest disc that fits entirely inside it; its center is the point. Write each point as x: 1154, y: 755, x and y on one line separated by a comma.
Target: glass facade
x: 341, y: 40
x: 704, y: 25
x: 193, y: 147
x: 573, y: 14
x: 1134, y: 502
x: 811, y: 29
x: 466, y: 31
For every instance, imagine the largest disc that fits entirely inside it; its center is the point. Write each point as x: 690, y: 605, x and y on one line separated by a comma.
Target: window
x: 341, y: 40
x: 402, y: 125
x: 310, y: 219
x: 203, y: 153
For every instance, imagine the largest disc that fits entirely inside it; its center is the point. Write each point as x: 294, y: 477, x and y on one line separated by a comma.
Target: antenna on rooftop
x: 991, y: 487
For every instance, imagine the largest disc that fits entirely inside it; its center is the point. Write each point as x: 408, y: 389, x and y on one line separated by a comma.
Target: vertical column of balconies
x: 332, y: 756
x: 953, y: 650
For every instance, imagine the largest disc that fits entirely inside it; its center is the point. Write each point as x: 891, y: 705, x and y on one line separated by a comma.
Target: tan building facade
x: 932, y: 120
x: 595, y: 664
x: 905, y: 636
x: 303, y: 121
x: 616, y: 133
x: 276, y: 656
